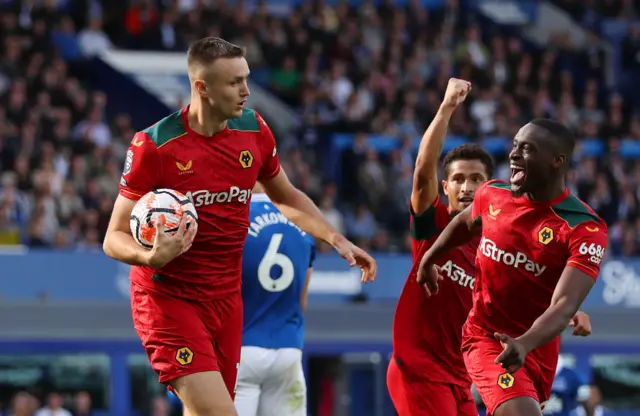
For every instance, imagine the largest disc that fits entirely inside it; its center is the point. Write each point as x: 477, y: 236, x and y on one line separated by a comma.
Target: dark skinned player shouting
x: 539, y: 255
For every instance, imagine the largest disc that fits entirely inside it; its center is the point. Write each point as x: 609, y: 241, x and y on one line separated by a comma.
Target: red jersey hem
x: 432, y: 205
x: 206, y: 292
x: 269, y: 177
x: 134, y: 196
x: 584, y: 268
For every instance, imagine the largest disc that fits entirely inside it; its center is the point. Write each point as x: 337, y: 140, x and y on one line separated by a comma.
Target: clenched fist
x: 456, y: 93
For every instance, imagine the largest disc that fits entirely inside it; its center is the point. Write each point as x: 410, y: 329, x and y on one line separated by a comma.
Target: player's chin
x: 518, y: 188
x: 462, y: 205
x: 237, y: 112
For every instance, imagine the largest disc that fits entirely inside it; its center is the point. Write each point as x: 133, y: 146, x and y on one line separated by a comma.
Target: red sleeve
x: 141, y: 167
x: 479, y: 200
x: 429, y: 223
x: 270, y: 160
x: 587, y: 246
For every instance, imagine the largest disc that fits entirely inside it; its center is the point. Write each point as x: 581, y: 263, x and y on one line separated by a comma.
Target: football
x: 164, y: 205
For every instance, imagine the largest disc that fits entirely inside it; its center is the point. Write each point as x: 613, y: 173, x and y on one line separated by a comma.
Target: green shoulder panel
x: 248, y: 121
x: 167, y: 129
x: 499, y: 185
x: 423, y: 226
x: 574, y: 212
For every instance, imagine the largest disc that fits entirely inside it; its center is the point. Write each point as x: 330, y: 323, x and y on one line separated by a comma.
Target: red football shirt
x: 218, y: 174
x: 524, y: 248
x: 427, y: 331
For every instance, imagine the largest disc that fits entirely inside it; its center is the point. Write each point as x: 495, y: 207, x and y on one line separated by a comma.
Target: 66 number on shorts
x: 271, y: 259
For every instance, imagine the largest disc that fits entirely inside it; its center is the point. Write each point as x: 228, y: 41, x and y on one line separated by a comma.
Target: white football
x: 164, y: 205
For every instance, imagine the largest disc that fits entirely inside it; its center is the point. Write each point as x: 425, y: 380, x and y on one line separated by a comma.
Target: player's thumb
x: 159, y: 226
x: 501, y: 337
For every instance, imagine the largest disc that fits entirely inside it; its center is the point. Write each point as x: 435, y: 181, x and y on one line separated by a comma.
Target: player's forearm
x: 122, y: 247
x: 433, y: 141
x: 431, y: 145
x: 301, y: 210
x: 458, y: 232
x: 549, y: 325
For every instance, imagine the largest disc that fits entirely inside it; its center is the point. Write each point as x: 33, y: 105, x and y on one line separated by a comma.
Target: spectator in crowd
x: 373, y: 70
x: 22, y: 404
x: 82, y: 404
x: 53, y: 406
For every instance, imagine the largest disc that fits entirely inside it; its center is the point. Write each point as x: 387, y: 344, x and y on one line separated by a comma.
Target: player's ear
x: 200, y: 86
x: 445, y: 185
x: 559, y: 161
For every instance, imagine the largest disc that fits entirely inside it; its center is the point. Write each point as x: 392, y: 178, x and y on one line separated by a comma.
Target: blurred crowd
x: 369, y: 70
x: 56, y: 404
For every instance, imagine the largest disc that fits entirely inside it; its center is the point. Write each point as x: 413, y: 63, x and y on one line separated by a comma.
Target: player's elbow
x: 107, y: 245
x: 565, y: 307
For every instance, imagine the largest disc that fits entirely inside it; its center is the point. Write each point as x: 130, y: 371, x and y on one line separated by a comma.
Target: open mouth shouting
x: 466, y: 200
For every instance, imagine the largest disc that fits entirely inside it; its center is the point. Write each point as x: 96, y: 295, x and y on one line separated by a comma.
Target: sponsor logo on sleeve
x: 594, y: 251
x: 128, y: 162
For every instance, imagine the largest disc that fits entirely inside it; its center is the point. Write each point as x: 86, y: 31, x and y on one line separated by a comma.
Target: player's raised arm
x: 425, y: 175
x: 587, y: 245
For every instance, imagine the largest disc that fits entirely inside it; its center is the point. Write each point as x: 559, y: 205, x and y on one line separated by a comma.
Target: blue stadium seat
x: 497, y: 146
x: 630, y: 149
x: 592, y: 147
x: 453, y: 141
x: 614, y: 30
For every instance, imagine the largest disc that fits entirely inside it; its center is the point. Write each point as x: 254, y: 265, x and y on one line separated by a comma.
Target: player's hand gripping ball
x: 164, y: 210
x: 456, y: 93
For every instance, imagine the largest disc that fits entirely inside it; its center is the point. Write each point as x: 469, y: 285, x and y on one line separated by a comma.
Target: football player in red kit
x: 539, y: 255
x: 427, y: 375
x: 185, y: 292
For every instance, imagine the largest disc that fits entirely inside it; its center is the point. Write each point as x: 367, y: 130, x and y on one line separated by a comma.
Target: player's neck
x: 549, y: 194
x: 203, y: 120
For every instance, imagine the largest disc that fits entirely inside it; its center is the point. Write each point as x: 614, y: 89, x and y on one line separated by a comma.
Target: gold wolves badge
x: 184, y: 356
x: 245, y: 159
x: 545, y: 235
x: 505, y: 381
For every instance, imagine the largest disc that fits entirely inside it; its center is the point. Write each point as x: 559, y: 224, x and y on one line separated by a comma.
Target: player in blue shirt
x: 277, y: 262
x: 567, y: 393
